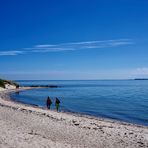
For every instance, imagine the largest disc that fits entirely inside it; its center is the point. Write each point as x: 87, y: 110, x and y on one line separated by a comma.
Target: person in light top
x: 57, y: 104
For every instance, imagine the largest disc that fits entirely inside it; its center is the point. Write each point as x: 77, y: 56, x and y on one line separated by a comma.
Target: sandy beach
x: 24, y: 126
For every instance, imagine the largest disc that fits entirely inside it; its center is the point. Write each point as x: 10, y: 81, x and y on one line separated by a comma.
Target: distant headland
x: 5, y: 84
x: 141, y: 79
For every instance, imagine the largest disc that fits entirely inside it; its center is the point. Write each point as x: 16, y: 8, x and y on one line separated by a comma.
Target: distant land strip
x: 141, y: 79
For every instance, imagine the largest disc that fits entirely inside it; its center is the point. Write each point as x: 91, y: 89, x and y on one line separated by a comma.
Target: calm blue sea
x: 125, y: 100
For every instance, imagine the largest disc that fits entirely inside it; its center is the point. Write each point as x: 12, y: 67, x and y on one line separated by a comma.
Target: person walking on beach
x: 57, y: 104
x: 49, y: 102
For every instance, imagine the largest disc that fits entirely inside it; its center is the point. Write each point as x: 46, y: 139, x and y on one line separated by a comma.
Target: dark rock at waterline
x: 47, y: 86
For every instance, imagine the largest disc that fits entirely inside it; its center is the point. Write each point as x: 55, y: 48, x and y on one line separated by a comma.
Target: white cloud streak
x: 11, y: 53
x: 68, y: 47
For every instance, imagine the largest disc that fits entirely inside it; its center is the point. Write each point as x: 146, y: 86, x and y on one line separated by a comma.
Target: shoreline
x: 77, y: 130
x: 69, y: 112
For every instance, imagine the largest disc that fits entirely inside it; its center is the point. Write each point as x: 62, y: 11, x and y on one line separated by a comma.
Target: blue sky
x: 73, y: 39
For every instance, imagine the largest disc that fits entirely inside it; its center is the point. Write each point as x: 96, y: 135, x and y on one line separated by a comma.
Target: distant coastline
x: 141, y: 79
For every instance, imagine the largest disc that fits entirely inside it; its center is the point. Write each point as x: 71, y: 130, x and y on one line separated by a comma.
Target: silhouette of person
x: 57, y: 104
x: 49, y: 102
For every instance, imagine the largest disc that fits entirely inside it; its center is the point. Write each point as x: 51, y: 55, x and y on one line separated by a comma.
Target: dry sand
x: 23, y: 126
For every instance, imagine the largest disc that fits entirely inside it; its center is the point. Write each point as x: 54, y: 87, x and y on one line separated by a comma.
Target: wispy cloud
x: 11, y: 53
x: 84, y: 45
x: 71, y: 46
x: 141, y: 71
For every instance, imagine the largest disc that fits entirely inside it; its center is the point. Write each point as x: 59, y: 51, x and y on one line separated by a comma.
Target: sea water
x: 124, y: 100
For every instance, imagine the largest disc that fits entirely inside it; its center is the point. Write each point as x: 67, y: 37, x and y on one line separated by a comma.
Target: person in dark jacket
x: 57, y: 104
x: 49, y: 102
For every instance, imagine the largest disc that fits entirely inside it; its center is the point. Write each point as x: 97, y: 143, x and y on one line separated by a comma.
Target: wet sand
x: 24, y: 126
